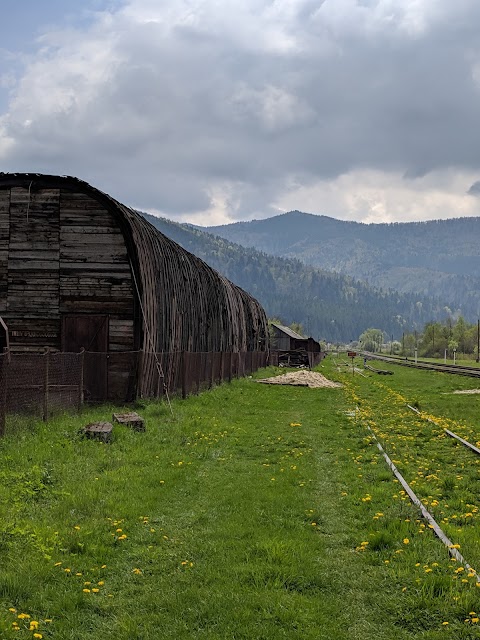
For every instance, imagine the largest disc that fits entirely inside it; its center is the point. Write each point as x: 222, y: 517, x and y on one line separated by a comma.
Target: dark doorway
x: 4, y: 341
x: 89, y: 333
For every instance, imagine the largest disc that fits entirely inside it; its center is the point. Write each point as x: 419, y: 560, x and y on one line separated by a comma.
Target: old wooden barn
x: 293, y: 348
x: 79, y: 270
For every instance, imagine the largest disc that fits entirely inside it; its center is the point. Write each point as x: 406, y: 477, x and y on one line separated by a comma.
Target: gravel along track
x: 302, y: 379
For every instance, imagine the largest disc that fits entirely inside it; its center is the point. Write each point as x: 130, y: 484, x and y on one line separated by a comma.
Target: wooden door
x: 90, y: 333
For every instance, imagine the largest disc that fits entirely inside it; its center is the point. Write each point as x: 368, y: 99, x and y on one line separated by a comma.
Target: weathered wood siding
x: 61, y: 253
x: 33, y: 279
x: 4, y: 240
x: 95, y: 273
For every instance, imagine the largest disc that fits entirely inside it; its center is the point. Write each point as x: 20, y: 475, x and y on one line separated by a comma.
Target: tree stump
x: 132, y: 420
x: 99, y: 431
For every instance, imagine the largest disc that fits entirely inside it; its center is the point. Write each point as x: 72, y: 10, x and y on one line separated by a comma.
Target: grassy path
x: 247, y: 516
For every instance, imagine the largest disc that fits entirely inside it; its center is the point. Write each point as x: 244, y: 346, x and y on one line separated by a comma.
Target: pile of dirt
x: 302, y: 378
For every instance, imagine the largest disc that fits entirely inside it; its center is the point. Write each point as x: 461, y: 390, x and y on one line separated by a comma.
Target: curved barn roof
x: 185, y: 304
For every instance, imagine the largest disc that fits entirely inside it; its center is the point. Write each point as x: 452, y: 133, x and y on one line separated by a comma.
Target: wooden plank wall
x: 61, y: 252
x: 94, y: 269
x: 33, y: 259
x: 4, y: 237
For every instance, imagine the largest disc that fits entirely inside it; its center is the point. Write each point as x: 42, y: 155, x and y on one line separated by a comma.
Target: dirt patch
x: 467, y: 391
x: 302, y: 378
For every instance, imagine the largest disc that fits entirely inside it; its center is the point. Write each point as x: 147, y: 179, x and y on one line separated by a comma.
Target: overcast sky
x: 212, y: 111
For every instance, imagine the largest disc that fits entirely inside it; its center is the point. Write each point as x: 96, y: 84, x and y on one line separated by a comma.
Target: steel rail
x: 450, y: 433
x: 460, y: 370
x: 396, y: 358
x: 452, y: 548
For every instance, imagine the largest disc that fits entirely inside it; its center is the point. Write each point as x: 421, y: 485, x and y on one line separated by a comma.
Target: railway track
x: 417, y: 500
x: 472, y: 372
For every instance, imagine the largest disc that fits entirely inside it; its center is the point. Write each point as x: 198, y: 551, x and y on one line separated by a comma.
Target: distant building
x: 286, y: 340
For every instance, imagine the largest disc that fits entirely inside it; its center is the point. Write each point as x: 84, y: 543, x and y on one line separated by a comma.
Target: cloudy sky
x: 213, y: 111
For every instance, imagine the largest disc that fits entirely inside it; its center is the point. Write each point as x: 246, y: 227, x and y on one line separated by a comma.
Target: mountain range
x: 330, y: 306
x: 439, y: 258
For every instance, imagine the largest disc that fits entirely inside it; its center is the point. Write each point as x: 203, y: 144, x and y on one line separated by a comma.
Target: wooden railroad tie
x: 98, y: 431
x: 132, y: 420
x: 382, y: 372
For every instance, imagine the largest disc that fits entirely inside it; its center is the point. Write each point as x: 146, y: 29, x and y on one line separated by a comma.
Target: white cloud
x: 273, y: 108
x: 376, y: 196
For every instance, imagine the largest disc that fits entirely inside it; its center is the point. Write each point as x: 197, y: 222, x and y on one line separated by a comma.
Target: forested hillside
x: 438, y: 258
x: 330, y: 306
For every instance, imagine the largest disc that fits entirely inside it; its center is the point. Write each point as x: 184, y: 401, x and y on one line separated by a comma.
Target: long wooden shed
x: 80, y: 270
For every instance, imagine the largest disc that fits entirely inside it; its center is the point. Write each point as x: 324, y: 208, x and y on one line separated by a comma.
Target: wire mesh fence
x: 42, y: 384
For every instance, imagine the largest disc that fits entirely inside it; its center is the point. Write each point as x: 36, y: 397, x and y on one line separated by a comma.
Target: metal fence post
x: 212, y: 362
x: 46, y: 385
x: 80, y: 381
x: 183, y: 373
x: 3, y: 391
x: 222, y: 365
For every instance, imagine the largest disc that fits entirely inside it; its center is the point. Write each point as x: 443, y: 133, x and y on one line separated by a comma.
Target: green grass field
x: 257, y: 512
